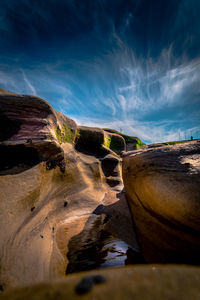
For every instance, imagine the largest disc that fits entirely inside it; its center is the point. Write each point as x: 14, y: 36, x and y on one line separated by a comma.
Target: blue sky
x: 131, y: 65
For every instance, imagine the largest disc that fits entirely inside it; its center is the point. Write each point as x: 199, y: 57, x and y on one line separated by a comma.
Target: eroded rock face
x: 31, y: 131
x: 48, y: 189
x: 163, y: 190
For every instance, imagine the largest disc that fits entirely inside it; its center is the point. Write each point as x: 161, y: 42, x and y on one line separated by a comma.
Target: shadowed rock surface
x: 90, y: 141
x: 101, y: 243
x: 96, y: 141
x: 163, y: 189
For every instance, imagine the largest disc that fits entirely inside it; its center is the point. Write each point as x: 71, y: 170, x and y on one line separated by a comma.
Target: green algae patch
x: 107, y: 141
x: 127, y: 138
x: 64, y: 134
x: 179, y: 142
x: 113, y: 142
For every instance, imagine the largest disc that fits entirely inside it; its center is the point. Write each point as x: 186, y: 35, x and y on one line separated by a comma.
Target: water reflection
x: 106, y: 251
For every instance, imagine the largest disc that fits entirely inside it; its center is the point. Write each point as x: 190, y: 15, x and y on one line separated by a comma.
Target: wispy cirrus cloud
x: 129, y: 97
x: 119, y: 63
x: 28, y: 83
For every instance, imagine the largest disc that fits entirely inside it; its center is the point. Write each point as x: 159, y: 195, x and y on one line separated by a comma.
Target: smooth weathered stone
x: 163, y: 189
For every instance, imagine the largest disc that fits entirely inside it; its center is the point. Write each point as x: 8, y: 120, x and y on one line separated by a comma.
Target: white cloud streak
x: 28, y: 83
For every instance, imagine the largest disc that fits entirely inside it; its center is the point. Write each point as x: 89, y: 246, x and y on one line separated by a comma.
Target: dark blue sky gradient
x: 132, y: 65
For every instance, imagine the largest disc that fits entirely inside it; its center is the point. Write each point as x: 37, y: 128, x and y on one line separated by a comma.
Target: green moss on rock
x: 179, y: 142
x: 114, y: 142
x: 65, y: 134
x: 107, y: 141
x: 127, y: 138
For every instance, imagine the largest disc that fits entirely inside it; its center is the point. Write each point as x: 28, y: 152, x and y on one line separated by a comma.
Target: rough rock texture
x: 163, y: 189
x: 48, y: 190
x: 148, y: 283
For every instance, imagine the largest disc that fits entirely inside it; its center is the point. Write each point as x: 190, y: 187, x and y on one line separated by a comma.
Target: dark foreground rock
x: 148, y: 283
x: 163, y: 189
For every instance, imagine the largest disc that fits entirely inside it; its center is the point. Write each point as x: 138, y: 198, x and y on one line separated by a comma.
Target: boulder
x: 163, y: 189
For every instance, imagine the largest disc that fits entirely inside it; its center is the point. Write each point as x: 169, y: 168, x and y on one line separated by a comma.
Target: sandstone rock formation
x: 163, y: 189
x: 49, y: 190
x: 61, y: 188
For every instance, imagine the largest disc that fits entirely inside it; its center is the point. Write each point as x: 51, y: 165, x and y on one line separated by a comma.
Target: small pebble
x: 99, y: 279
x: 85, y: 285
x: 41, y: 236
x: 88, y: 282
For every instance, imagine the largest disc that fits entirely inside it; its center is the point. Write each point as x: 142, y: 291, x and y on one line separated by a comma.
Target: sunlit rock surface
x: 51, y: 184
x: 163, y: 189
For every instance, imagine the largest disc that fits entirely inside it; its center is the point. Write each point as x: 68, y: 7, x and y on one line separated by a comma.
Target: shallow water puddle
x: 107, y: 251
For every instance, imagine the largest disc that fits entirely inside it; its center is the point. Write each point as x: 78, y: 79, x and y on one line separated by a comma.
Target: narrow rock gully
x: 107, y: 239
